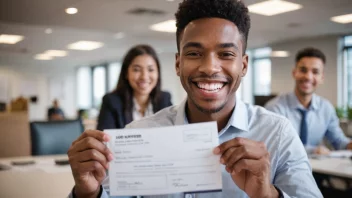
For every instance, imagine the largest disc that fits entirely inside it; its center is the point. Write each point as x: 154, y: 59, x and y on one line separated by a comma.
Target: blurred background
x: 71, y: 50
x: 39, y: 62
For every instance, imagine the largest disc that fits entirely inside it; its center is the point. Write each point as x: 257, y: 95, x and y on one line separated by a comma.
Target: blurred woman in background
x: 138, y: 92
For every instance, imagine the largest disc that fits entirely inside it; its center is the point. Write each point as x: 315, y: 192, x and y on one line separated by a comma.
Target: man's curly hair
x: 232, y: 10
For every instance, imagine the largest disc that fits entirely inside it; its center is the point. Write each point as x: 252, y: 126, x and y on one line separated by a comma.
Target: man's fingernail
x: 111, y: 157
x: 107, y: 165
x: 233, y: 173
x: 106, y: 137
x: 216, y: 150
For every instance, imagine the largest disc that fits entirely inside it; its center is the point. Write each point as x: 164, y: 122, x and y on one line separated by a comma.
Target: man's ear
x: 244, y: 65
x: 177, y: 63
x: 322, y: 78
x: 294, y: 72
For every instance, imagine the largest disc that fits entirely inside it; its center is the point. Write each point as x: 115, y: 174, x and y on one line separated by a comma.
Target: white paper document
x: 164, y: 160
x: 341, y: 154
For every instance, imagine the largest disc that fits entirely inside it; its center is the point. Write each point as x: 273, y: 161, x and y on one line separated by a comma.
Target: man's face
x: 308, y: 74
x: 211, y: 63
x: 56, y: 103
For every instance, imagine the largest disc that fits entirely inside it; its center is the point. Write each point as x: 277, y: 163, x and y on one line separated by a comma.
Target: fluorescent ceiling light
x: 119, y: 35
x: 71, y: 10
x: 10, y: 39
x: 280, y: 54
x: 56, y: 53
x: 43, y: 57
x: 166, y: 26
x: 273, y: 7
x: 347, y: 18
x: 85, y: 45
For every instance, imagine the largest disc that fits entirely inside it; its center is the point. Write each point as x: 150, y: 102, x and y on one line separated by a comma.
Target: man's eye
x: 193, y: 54
x: 226, y: 54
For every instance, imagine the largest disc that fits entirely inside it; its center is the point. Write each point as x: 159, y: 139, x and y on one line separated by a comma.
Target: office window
x: 346, y: 73
x: 99, y: 85
x: 113, y: 75
x: 84, y: 88
x: 348, y: 41
x: 262, y: 72
x: 349, y: 75
x: 94, y: 82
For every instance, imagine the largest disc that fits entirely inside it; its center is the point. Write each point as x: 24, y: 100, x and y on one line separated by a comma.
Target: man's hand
x: 248, y: 162
x: 349, y: 146
x: 321, y: 150
x: 89, y: 158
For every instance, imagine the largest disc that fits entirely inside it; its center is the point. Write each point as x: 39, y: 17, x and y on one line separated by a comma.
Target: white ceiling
x: 99, y: 20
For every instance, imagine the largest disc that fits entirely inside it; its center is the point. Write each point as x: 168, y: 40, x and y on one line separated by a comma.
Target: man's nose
x: 210, y: 64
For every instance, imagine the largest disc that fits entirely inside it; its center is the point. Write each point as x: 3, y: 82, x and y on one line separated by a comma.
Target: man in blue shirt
x: 312, y: 116
x: 261, y: 153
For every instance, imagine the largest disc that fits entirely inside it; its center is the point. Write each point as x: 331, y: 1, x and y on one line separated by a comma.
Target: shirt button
x: 188, y: 196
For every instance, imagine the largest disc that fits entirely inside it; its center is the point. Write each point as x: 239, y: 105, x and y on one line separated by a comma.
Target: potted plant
x: 349, y: 117
x: 341, y: 113
x: 349, y: 113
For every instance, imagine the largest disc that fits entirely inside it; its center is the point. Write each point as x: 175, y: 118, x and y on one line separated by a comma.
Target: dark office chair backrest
x: 54, y: 137
x: 262, y: 100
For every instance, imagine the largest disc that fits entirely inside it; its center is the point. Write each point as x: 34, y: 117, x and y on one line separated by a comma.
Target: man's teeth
x: 210, y: 86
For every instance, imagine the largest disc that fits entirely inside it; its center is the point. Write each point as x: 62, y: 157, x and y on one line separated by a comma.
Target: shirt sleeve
x: 294, y: 174
x: 334, y: 133
x: 274, y: 106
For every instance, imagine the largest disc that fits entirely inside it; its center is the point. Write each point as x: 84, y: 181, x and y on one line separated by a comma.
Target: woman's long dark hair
x: 124, y: 88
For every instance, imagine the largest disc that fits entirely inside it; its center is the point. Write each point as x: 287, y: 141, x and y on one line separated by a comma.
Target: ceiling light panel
x: 43, y: 57
x: 280, y: 54
x: 85, y: 45
x: 71, y: 10
x: 10, y: 39
x: 344, y: 19
x: 273, y: 7
x: 166, y: 26
x: 56, y: 53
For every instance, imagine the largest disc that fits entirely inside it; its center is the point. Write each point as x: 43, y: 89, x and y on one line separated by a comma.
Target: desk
x: 333, y: 176
x: 339, y: 167
x: 43, y: 179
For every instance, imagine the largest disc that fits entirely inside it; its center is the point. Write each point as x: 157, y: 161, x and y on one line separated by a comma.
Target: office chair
x: 262, y: 100
x: 54, y: 137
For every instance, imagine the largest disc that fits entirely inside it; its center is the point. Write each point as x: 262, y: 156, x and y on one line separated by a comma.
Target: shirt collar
x: 295, y: 104
x: 239, y: 118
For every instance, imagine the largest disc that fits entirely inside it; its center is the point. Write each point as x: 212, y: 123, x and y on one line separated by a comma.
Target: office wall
x: 281, y: 76
x: 33, y: 83
x: 63, y: 88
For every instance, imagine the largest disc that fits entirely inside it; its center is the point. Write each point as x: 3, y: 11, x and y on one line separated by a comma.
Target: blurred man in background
x: 55, y: 112
x: 313, y: 116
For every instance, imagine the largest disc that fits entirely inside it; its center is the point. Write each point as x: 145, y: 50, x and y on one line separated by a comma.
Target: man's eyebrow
x: 193, y: 44
x: 228, y: 45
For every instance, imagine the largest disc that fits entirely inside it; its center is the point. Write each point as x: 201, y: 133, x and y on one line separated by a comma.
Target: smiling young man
x: 261, y: 153
x: 312, y: 116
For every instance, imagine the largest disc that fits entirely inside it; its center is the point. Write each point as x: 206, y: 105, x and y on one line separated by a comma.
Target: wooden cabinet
x: 14, y: 134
